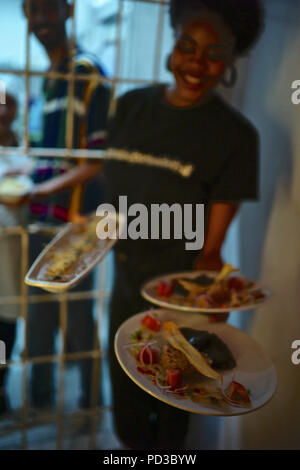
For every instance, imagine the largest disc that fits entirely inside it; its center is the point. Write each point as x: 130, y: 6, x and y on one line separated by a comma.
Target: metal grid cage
x: 23, y: 424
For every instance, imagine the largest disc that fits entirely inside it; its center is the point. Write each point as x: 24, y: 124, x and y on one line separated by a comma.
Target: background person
x: 9, y: 244
x: 190, y: 123
x: 8, y: 112
x: 50, y: 200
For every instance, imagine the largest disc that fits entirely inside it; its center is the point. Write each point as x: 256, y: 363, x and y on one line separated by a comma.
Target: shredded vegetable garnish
x: 148, y: 364
x: 130, y: 345
x: 137, y: 335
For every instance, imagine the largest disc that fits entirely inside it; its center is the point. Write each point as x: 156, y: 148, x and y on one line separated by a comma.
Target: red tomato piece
x: 237, y: 392
x: 236, y: 283
x: 258, y: 294
x: 148, y: 356
x: 165, y: 289
x: 201, y: 391
x: 174, y: 378
x: 151, y: 323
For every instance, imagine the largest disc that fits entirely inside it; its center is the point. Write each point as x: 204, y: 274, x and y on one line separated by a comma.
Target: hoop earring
x: 230, y: 81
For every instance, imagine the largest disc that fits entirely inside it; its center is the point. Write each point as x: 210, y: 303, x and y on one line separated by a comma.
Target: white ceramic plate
x: 148, y: 291
x: 254, y: 369
x: 35, y: 276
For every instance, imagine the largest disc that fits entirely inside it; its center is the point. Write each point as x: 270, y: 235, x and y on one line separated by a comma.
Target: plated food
x: 83, y: 240
x: 71, y: 255
x: 12, y: 188
x: 205, y: 291
x: 203, y: 368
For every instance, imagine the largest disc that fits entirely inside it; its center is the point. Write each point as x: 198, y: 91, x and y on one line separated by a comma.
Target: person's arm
x: 238, y: 181
x: 219, y: 219
x: 77, y: 175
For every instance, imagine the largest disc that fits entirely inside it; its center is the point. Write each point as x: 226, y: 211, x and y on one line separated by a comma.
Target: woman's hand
x: 210, y: 262
x: 219, y: 219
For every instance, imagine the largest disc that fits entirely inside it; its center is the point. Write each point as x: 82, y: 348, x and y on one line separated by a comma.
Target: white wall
x: 270, y: 229
x: 12, y: 37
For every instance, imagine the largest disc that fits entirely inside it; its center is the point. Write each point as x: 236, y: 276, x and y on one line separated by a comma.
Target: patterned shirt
x: 91, y: 101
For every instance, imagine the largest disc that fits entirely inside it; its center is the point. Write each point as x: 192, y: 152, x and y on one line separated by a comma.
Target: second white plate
x: 148, y: 291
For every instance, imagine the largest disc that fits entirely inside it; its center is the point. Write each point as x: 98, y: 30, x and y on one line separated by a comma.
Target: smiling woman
x: 187, y: 123
x: 207, y: 43
x: 203, y: 49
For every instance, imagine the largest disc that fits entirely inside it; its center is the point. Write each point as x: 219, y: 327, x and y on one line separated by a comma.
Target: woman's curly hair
x: 245, y: 18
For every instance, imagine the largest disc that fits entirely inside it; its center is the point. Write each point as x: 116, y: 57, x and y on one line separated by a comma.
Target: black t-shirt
x: 163, y: 154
